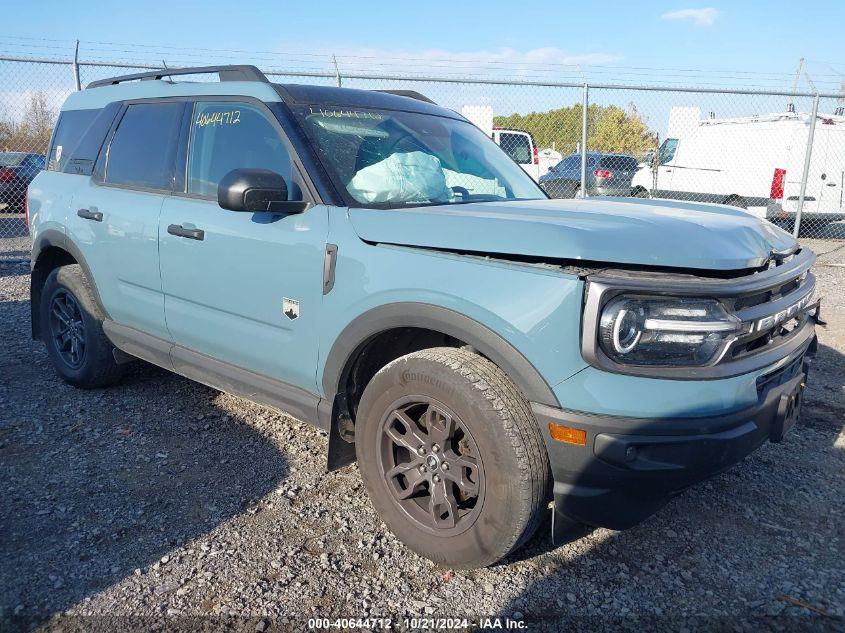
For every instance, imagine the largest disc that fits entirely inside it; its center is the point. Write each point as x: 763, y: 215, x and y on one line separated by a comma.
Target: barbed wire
x: 451, y: 64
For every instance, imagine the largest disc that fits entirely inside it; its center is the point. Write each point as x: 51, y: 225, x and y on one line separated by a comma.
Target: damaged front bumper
x: 628, y: 468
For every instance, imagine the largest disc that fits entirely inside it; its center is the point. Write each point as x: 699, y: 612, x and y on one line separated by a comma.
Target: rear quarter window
x: 70, y: 128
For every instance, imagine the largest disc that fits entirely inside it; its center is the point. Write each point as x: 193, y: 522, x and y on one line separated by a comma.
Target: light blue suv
x: 372, y: 263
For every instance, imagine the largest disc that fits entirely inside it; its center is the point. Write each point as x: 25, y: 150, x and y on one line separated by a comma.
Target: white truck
x: 753, y: 162
x: 518, y: 144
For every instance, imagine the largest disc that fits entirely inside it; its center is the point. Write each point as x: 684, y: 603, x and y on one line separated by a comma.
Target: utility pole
x: 790, y: 107
x: 336, y: 71
x: 798, y: 75
x: 76, y: 67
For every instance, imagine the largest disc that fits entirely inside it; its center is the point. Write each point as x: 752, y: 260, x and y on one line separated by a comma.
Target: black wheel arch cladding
x: 431, y: 317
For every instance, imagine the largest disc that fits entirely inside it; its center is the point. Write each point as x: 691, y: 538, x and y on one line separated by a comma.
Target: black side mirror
x: 256, y: 190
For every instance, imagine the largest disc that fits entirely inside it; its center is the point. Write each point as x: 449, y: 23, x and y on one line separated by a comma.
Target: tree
x: 610, y: 128
x: 32, y: 133
x: 623, y: 132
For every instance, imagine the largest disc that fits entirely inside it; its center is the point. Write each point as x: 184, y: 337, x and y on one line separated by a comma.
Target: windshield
x: 392, y: 159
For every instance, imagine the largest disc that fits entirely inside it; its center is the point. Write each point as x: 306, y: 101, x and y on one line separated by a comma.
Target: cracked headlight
x: 665, y: 331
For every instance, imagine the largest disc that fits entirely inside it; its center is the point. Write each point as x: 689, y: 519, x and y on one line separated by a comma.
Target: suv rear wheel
x: 72, y: 329
x: 452, y: 457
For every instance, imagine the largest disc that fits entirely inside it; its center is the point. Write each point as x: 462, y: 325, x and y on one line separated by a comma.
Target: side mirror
x: 256, y: 190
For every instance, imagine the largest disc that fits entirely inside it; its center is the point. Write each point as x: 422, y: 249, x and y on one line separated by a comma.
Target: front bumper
x: 630, y: 467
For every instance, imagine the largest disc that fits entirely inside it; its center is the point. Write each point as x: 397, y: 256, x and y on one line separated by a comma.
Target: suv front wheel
x: 72, y: 328
x: 452, y: 457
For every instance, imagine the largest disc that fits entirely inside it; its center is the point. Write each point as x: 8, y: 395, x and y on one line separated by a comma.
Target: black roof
x: 302, y: 94
x: 297, y: 94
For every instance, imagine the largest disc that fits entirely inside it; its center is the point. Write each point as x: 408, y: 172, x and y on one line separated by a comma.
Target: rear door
x: 246, y: 288
x: 830, y: 169
x: 114, y: 218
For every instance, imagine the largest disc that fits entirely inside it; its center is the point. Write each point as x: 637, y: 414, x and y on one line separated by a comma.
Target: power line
x: 429, y: 61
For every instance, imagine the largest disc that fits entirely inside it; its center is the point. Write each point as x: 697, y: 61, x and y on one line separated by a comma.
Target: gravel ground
x: 163, y: 497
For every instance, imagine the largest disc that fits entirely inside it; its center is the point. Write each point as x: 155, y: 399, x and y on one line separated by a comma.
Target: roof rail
x: 226, y: 73
x: 413, y: 94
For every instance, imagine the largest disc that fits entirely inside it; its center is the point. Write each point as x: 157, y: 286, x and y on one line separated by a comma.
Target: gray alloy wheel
x: 431, y: 465
x: 67, y: 329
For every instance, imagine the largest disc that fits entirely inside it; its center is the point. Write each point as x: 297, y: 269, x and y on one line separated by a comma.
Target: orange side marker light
x: 567, y: 434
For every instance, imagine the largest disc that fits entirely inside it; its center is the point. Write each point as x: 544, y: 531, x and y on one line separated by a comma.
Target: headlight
x: 665, y: 331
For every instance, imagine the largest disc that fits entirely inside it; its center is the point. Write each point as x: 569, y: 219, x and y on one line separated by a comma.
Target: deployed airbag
x: 401, y: 177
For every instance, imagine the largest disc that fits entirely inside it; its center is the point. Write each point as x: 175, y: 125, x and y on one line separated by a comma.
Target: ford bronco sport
x: 374, y: 264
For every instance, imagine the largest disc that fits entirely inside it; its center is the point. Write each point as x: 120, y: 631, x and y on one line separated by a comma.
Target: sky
x: 630, y: 41
x: 754, y: 45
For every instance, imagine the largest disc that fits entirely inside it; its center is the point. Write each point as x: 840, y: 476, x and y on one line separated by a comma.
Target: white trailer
x: 752, y: 162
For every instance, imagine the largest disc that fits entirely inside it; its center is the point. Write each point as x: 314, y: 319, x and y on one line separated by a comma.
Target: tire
x: 492, y: 424
x: 640, y: 193
x: 67, y: 297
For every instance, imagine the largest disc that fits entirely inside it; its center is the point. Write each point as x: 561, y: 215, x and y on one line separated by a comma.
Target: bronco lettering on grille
x: 772, y: 320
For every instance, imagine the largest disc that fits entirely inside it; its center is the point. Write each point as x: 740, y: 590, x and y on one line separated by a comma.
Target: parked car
x: 374, y: 264
x: 708, y: 160
x: 607, y: 175
x: 521, y: 147
x: 17, y: 169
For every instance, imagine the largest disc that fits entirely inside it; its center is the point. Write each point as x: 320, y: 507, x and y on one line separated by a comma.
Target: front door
x: 243, y: 288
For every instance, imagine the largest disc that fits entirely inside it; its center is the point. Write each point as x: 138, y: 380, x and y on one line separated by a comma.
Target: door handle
x: 97, y: 216
x: 192, y: 234
x: 831, y: 184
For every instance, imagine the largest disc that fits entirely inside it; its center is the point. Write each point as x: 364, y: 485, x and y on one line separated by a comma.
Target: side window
x: 667, y: 150
x: 517, y: 146
x: 142, y: 151
x: 70, y: 129
x: 229, y: 135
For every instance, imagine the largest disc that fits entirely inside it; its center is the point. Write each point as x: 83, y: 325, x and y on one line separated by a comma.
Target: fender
x: 55, y: 239
x: 449, y: 322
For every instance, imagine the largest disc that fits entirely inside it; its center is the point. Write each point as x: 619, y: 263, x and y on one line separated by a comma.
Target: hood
x: 610, y: 230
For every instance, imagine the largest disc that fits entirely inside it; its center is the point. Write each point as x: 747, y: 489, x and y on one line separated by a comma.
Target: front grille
x: 767, y: 296
x: 753, y: 309
x: 768, y: 339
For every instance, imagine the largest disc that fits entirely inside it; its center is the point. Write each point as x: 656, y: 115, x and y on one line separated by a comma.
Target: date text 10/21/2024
x: 413, y: 624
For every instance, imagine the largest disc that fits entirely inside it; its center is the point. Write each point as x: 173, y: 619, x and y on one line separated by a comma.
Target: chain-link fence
x: 778, y: 155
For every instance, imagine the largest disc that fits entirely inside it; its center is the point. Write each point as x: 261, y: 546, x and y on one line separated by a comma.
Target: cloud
x: 700, y: 17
